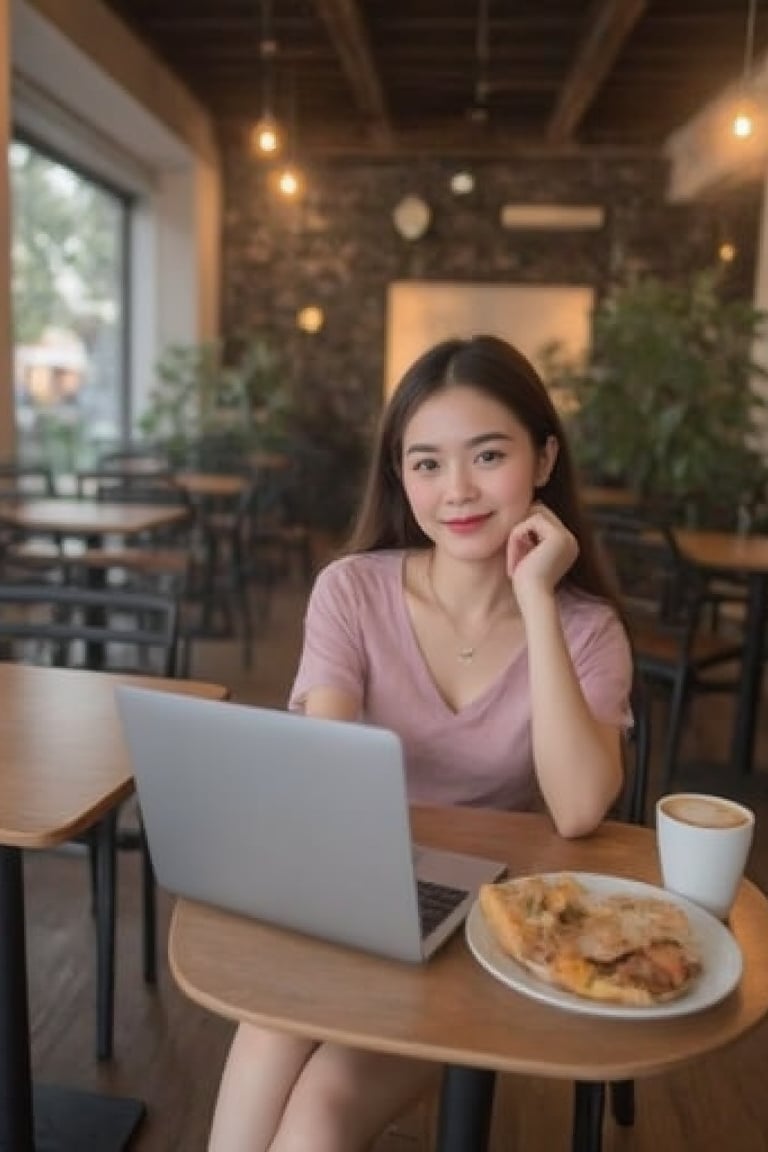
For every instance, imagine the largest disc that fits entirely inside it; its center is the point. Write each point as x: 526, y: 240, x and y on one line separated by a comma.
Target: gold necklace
x: 466, y: 652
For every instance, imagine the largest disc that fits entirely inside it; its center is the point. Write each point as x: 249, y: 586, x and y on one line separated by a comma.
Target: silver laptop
x: 296, y: 821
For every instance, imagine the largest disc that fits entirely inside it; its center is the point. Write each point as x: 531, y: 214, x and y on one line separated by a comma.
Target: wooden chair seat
x: 173, y: 561
x: 705, y: 649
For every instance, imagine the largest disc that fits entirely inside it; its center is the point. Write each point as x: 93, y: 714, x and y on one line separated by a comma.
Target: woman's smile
x: 463, y: 525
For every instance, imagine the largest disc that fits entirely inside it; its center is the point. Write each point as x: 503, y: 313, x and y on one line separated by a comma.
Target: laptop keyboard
x: 436, y: 901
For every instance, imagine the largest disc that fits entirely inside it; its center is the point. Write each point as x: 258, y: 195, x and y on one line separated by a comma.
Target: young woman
x: 470, y: 615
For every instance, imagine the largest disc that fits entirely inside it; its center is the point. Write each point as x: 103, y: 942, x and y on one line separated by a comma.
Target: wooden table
x: 212, y: 485
x: 451, y: 1010
x: 92, y: 520
x: 602, y: 497
x: 63, y: 766
x: 734, y: 555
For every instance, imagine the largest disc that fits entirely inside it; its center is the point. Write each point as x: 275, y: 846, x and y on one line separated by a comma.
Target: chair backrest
x: 18, y: 481
x: 96, y: 482
x: 158, y: 489
x: 655, y: 583
x: 134, y: 456
x: 61, y: 624
x: 646, y: 564
x: 633, y: 801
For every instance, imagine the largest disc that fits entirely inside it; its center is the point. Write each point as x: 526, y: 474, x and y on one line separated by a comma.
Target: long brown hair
x: 494, y: 367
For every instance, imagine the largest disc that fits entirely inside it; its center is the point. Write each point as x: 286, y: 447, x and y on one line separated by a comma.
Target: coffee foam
x: 704, y: 812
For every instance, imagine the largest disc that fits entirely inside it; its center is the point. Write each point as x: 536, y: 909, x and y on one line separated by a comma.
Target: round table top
x: 728, y: 551
x: 450, y: 1009
x: 89, y: 517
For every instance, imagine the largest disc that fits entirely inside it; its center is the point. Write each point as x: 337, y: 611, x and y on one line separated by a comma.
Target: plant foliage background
x: 667, y: 403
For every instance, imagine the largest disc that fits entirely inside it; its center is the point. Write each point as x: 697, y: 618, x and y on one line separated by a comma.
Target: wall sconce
x: 412, y: 217
x: 462, y: 183
x: 552, y: 217
x: 310, y: 319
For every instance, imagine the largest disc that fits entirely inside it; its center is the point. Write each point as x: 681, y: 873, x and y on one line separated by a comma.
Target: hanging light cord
x: 482, y: 53
x: 749, y: 39
x: 267, y: 50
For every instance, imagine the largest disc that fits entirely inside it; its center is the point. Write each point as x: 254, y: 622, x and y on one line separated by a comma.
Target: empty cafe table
x: 451, y: 1010
x: 63, y: 766
x: 90, y: 520
x: 606, y: 498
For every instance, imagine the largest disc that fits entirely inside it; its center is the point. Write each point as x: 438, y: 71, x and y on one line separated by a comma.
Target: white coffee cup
x: 703, y: 846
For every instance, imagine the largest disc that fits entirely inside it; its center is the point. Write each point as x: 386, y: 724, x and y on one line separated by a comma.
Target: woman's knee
x: 345, y: 1098
x: 258, y: 1045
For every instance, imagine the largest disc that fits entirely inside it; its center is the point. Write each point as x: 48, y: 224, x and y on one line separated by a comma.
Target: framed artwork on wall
x: 420, y: 313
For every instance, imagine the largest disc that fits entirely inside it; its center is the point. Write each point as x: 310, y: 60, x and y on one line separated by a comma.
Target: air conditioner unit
x: 552, y: 216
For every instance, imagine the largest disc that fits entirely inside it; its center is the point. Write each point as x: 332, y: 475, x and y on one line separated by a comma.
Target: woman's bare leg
x: 261, y: 1070
x: 344, y: 1098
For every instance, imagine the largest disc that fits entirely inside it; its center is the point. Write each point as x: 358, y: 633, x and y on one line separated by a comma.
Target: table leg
x: 96, y: 579
x: 15, y: 1074
x: 50, y: 1119
x: 466, y: 1104
x: 743, y: 741
x: 106, y: 914
x: 588, y: 1106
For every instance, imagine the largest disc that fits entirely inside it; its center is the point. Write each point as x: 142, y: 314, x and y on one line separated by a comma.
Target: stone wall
x: 337, y: 248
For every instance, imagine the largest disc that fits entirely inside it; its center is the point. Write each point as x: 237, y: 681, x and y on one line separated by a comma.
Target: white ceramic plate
x: 720, y: 957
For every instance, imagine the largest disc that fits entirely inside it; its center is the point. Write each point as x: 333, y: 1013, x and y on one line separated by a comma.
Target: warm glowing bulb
x: 289, y: 183
x: 742, y: 125
x: 310, y: 319
x: 265, y: 136
x: 727, y: 252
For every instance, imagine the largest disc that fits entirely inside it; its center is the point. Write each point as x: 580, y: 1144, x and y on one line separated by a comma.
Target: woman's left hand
x: 540, y: 552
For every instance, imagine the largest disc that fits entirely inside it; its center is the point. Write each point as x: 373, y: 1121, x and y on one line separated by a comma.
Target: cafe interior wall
x: 335, y: 247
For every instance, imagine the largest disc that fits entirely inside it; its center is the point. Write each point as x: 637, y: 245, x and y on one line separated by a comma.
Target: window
x: 69, y: 291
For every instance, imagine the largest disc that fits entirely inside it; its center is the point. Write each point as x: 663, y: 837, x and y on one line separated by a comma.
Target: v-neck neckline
x: 423, y: 670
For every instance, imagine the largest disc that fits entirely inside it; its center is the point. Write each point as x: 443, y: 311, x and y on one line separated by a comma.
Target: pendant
x: 466, y: 654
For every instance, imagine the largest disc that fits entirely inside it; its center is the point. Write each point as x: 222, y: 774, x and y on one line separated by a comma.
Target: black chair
x: 94, y: 483
x: 138, y: 632
x: 235, y: 559
x: 136, y: 457
x: 21, y: 481
x: 166, y: 559
x: 279, y: 529
x: 668, y: 604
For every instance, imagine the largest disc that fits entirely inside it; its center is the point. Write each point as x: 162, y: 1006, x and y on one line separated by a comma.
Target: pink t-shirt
x: 359, y: 639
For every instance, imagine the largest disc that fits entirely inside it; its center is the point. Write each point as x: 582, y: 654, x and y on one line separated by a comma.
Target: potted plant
x: 202, y: 410
x: 666, y: 402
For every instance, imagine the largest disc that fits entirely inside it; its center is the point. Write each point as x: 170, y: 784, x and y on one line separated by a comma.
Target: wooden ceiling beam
x: 609, y: 23
x: 349, y: 37
x: 448, y: 141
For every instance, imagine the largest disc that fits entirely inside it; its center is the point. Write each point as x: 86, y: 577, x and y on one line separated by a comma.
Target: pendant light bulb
x: 289, y: 182
x: 265, y: 137
x: 743, y: 126
x: 743, y: 123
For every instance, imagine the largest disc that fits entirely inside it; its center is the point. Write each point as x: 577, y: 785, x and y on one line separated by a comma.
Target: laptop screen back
x: 293, y: 820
